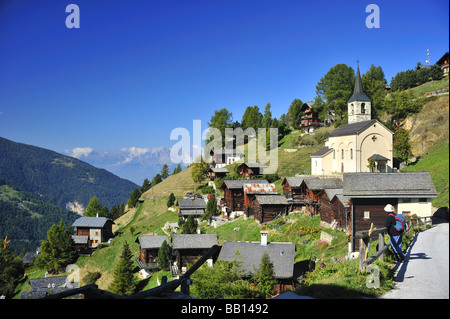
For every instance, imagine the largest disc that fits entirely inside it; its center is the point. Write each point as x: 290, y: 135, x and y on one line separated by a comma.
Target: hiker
x: 395, y: 225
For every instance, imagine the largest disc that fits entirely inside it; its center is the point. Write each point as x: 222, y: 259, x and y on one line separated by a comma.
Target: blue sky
x: 137, y: 69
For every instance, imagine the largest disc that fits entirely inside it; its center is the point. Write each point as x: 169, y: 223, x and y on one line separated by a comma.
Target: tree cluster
x: 411, y: 78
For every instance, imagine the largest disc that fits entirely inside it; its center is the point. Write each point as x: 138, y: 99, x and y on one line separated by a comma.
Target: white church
x: 350, y: 148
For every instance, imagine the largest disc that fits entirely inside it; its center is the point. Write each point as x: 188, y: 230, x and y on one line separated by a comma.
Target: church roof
x: 358, y: 93
x: 353, y: 128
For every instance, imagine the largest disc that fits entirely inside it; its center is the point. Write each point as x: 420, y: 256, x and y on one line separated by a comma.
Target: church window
x: 351, y: 153
x: 363, y: 108
x: 334, y: 154
x: 342, y: 153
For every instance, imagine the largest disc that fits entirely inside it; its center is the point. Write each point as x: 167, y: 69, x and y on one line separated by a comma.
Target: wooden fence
x: 365, y: 235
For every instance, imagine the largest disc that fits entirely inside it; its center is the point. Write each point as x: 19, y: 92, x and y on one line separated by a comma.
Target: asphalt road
x: 425, y: 272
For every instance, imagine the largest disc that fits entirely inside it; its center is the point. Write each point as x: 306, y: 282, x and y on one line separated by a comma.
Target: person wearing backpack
x: 395, y: 224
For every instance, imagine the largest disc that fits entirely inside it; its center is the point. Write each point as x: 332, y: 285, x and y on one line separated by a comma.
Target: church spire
x: 358, y: 93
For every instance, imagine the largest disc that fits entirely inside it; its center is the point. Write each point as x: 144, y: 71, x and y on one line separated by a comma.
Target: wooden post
x: 381, y: 244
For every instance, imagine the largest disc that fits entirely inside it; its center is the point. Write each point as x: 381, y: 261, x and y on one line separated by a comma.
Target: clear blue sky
x: 136, y: 69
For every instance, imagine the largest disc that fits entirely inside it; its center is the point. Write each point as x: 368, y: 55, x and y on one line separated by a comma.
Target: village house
x: 295, y: 191
x: 188, y: 248
x: 191, y: 206
x: 97, y: 230
x: 233, y: 199
x: 351, y: 147
x: 224, y: 157
x: 443, y: 63
x: 334, y: 209
x: 312, y: 189
x: 409, y: 193
x: 149, y: 246
x: 41, y: 287
x: 281, y: 255
x: 251, y: 169
x: 266, y: 208
x: 216, y: 172
x: 250, y: 190
x: 310, y: 120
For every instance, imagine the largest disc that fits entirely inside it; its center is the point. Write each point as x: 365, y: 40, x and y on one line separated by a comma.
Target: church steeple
x: 359, y: 105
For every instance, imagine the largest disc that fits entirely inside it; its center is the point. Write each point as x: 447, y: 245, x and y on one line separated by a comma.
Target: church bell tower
x: 359, y: 105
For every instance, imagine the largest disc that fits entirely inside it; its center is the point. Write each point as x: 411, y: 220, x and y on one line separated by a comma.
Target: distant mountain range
x: 58, y: 179
x: 134, y: 164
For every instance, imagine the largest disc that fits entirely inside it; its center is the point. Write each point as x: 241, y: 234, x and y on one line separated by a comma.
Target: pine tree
x: 145, y: 186
x: 265, y: 277
x: 171, y: 200
x: 165, y: 171
x: 190, y: 226
x: 123, y: 282
x: 164, y: 256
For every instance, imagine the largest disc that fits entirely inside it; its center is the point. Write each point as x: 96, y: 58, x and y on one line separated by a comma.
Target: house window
x: 366, y: 214
x: 406, y: 200
x: 423, y: 200
x: 351, y: 153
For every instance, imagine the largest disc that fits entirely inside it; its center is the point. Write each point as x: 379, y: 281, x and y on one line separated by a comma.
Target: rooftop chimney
x: 264, y: 237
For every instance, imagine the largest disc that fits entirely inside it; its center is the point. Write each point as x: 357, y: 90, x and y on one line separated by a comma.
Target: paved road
x: 425, y: 272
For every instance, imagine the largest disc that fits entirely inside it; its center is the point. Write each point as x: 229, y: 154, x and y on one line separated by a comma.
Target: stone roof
x: 219, y: 170
x: 80, y: 239
x: 253, y: 165
x: 250, y: 253
x: 323, y: 183
x: 194, y: 241
x: 297, y: 181
x: 271, y: 199
x: 191, y: 203
x: 94, y: 222
x: 151, y: 241
x: 389, y: 185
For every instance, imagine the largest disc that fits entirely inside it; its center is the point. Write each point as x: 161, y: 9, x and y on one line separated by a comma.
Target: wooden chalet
x: 295, y: 191
x: 334, y: 209
x: 409, y: 193
x: 216, y: 172
x: 312, y: 189
x: 251, y: 169
x: 310, y: 120
x: 443, y: 63
x: 191, y: 206
x: 281, y: 255
x: 97, y: 230
x: 250, y: 190
x: 188, y: 248
x: 149, y: 246
x: 224, y: 157
x: 233, y: 199
x: 266, y: 208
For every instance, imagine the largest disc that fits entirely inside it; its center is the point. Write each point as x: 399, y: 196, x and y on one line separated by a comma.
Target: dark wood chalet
x: 371, y: 192
x: 281, y: 255
x: 250, y: 190
x: 191, y: 206
x: 313, y: 187
x: 233, y: 199
x: 295, y: 191
x: 251, y: 169
x: 149, y: 246
x: 334, y: 209
x: 310, y: 120
x: 215, y: 172
x: 188, y: 248
x: 98, y: 229
x: 266, y: 208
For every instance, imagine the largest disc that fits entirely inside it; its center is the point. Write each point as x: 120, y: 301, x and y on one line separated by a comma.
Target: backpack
x: 400, y: 222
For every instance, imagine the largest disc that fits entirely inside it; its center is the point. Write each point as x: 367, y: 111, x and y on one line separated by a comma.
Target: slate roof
x: 323, y: 183
x: 281, y: 255
x: 194, y: 241
x: 353, y: 128
x: 94, y: 222
x: 271, y: 199
x: 331, y: 192
x: 358, y: 93
x: 80, y: 239
x: 152, y: 242
x: 239, y: 183
x: 219, y: 170
x: 191, y: 203
x: 322, y: 152
x: 389, y: 185
x: 260, y: 188
x: 253, y: 165
x: 297, y: 181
